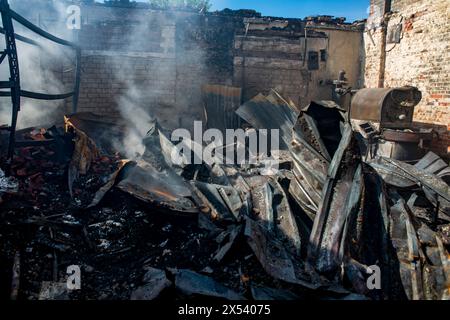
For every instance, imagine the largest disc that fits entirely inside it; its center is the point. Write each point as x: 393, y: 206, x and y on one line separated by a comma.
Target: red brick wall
x: 421, y: 59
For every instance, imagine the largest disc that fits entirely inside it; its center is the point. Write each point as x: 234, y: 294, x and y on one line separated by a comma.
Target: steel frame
x: 13, y: 84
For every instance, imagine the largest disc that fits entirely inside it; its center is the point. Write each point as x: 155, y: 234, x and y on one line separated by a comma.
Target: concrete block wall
x: 204, y: 55
x: 156, y: 60
x: 159, y: 60
x: 262, y: 63
x: 128, y: 65
x: 169, y: 56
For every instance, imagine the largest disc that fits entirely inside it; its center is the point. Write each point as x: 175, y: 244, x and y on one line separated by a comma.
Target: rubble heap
x: 320, y: 227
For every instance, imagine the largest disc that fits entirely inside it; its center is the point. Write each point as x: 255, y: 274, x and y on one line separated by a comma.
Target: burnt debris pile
x: 337, y: 219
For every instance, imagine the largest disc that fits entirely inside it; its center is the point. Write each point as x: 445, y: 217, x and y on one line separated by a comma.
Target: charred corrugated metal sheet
x: 318, y: 226
x: 270, y: 112
x: 220, y: 104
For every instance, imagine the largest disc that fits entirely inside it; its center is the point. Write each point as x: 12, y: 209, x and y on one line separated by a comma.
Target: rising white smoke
x: 143, y: 102
x: 42, y: 69
x: 140, y: 101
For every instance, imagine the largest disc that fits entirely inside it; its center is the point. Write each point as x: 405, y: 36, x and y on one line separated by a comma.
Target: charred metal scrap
x: 322, y: 225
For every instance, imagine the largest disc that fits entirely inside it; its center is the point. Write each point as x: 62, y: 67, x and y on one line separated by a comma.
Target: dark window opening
x: 323, y: 55
x: 313, y: 60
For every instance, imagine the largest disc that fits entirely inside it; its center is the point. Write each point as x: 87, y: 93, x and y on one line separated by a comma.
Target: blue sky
x: 351, y: 9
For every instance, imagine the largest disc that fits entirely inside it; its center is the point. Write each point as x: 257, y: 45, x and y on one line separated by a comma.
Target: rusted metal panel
x: 220, y: 103
x: 391, y: 107
x: 406, y: 136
